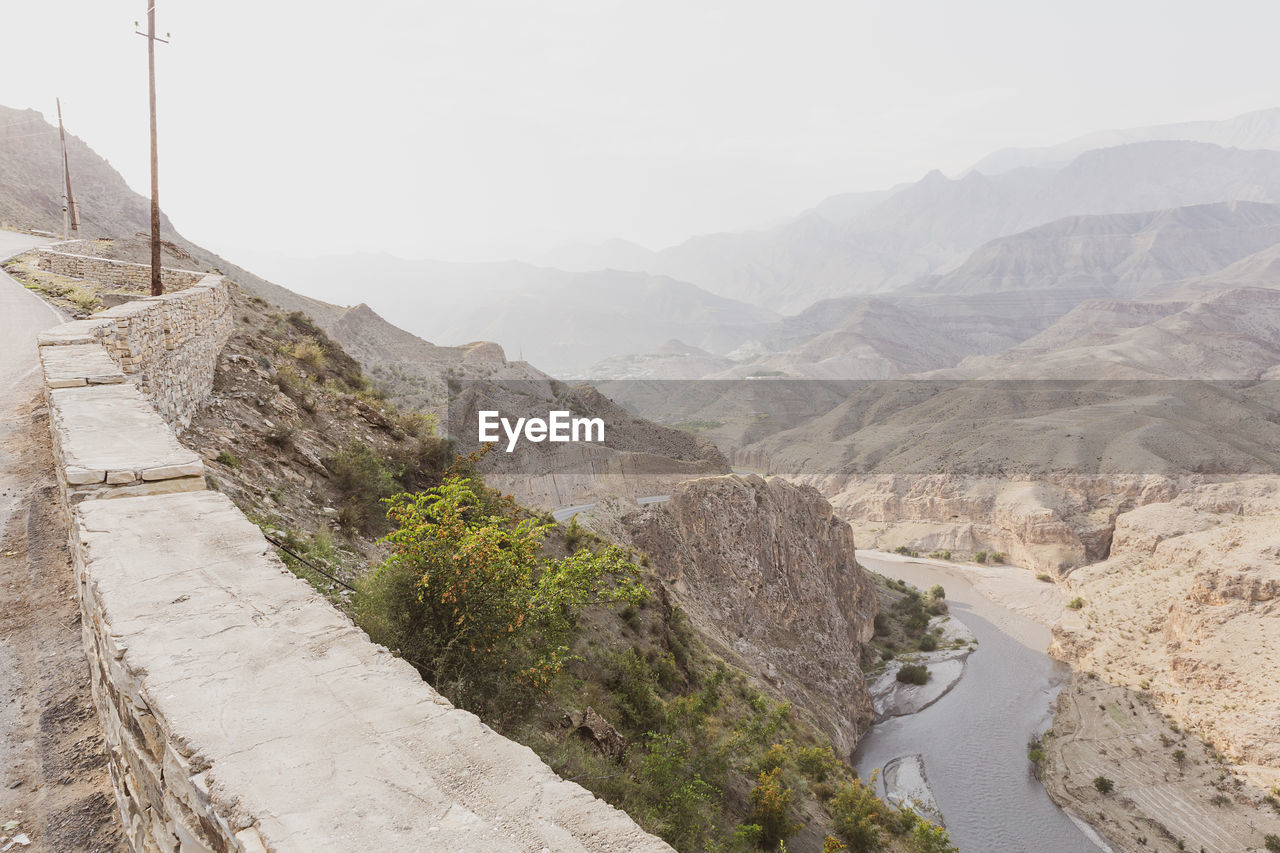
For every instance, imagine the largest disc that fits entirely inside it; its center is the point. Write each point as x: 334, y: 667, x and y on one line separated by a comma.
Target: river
x: 974, y: 739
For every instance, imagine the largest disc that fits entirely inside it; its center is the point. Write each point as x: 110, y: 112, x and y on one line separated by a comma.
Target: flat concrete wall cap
x: 75, y: 332
x: 113, y: 428
x: 79, y: 364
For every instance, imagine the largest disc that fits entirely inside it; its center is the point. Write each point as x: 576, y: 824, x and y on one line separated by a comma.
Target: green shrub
x: 774, y: 757
x: 771, y: 809
x: 937, y: 592
x: 997, y: 556
x: 1035, y: 753
x: 928, y: 837
x: 980, y: 557
x: 1104, y: 785
x: 420, y: 461
x: 467, y: 596
x: 681, y: 801
x: 928, y: 643
x: 817, y: 762
x: 1271, y: 842
x: 228, y: 459
x: 309, y: 353
x: 1075, y: 603
x: 748, y: 835
x: 913, y: 673
x: 856, y: 814
x: 363, y: 481
x: 1044, y: 578
x: 631, y: 682
x: 573, y: 535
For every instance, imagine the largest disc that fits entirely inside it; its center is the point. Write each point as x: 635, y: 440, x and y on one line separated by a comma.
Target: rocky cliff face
x: 769, y: 570
x: 1050, y: 524
x: 1186, y: 607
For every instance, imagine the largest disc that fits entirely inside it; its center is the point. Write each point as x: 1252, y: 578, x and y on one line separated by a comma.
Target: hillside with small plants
x: 556, y: 637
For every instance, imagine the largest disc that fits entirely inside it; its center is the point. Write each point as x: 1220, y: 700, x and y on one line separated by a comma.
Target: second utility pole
x: 157, y: 286
x: 69, y: 210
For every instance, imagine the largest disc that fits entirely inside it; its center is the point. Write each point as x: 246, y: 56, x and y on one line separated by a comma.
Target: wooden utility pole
x: 69, y: 209
x: 157, y: 286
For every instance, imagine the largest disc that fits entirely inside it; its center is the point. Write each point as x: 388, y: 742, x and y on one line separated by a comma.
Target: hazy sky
x: 487, y: 128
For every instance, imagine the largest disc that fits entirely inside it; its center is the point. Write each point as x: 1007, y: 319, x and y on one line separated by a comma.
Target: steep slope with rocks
x: 770, y: 569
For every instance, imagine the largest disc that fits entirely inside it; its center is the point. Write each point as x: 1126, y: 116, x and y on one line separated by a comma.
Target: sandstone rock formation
x: 768, y: 569
x: 1049, y: 524
x: 1186, y: 608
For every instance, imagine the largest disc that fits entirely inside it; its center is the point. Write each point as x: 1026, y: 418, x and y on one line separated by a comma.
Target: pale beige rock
x: 74, y: 332
x: 169, y: 472
x: 1188, y: 608
x: 100, y: 428
x: 78, y: 364
x: 1048, y: 525
x: 79, y: 476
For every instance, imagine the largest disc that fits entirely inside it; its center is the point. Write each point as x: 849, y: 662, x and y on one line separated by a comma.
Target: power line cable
x: 305, y: 561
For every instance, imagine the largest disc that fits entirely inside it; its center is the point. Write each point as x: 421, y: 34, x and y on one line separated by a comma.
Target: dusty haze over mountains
x: 507, y: 129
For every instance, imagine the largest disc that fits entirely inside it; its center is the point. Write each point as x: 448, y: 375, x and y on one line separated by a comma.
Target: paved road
x: 53, y: 777
x: 22, y: 316
x: 567, y: 512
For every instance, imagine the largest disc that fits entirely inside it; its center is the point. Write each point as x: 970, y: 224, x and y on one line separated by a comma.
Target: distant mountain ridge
x: 932, y: 225
x: 1257, y: 129
x: 1013, y: 288
x: 562, y: 321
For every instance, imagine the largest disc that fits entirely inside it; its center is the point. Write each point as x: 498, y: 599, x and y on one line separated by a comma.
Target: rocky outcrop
x: 1187, y: 607
x: 768, y: 569
x: 1051, y: 524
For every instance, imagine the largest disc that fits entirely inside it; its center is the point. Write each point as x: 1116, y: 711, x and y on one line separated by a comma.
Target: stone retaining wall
x: 241, y: 712
x: 167, y: 345
x: 119, y: 273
